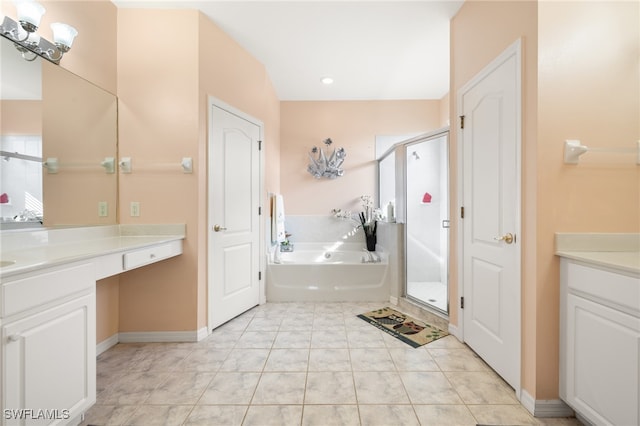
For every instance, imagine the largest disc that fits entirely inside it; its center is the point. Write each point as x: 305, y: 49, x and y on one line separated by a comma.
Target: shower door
x: 427, y: 221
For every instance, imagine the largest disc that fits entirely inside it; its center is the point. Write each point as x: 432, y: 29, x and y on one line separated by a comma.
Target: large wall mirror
x: 58, y: 143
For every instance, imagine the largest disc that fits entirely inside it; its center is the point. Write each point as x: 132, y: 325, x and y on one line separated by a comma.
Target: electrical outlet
x: 103, y: 209
x: 135, y: 209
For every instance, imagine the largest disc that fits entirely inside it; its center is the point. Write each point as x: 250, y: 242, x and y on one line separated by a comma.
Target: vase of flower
x: 371, y: 242
x: 369, y: 223
x: 368, y: 220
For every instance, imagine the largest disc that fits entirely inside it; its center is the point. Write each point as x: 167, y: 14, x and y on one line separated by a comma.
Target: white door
x: 234, y: 197
x: 490, y: 142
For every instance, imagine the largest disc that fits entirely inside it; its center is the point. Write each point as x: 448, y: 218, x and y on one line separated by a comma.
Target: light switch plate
x: 103, y: 209
x: 135, y: 209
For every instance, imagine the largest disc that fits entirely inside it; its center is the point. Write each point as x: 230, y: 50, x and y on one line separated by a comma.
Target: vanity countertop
x: 616, y: 251
x: 29, y: 251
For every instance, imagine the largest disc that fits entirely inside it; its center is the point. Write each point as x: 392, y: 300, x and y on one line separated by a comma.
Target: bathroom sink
x: 4, y: 263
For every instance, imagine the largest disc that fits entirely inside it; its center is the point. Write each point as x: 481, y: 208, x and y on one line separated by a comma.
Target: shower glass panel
x: 387, y: 182
x: 427, y: 221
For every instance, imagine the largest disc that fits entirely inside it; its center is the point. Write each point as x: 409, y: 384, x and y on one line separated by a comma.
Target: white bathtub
x: 327, y: 272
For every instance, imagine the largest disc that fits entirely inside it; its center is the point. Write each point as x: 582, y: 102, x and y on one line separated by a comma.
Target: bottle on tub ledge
x: 391, y: 212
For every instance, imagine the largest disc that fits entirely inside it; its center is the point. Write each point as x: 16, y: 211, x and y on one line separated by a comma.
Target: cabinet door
x: 602, y: 372
x: 50, y: 364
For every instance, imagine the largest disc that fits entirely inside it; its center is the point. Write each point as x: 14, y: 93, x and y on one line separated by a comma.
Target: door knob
x: 507, y: 238
x: 219, y: 228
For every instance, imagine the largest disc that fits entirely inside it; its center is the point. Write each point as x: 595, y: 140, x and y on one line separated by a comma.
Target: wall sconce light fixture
x: 321, y: 165
x: 28, y: 42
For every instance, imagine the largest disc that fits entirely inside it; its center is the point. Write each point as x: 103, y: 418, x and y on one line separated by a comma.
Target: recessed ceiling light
x: 327, y: 80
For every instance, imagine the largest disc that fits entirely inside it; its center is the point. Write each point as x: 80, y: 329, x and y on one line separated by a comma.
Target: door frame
x: 211, y: 103
x: 515, y: 49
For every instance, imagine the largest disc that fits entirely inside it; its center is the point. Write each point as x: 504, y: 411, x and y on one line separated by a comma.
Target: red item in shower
x: 426, y: 198
x: 4, y: 198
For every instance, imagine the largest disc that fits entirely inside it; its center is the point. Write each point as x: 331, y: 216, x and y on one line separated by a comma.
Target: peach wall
x: 444, y: 110
x: 158, y: 124
x: 21, y: 117
x: 501, y: 24
x: 588, y: 89
x: 107, y: 307
x: 272, y: 140
x: 230, y: 74
x: 164, y: 117
x: 352, y: 125
x: 93, y: 54
x: 81, y: 131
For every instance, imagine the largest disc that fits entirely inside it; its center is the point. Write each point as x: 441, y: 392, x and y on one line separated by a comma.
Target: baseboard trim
x: 393, y: 300
x: 107, y: 343
x: 159, y: 336
x: 202, y: 333
x: 151, y: 337
x: 454, y: 331
x: 527, y: 401
x: 545, y: 407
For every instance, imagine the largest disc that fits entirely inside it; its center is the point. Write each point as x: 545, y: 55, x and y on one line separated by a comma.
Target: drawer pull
x: 14, y: 337
x: 152, y: 256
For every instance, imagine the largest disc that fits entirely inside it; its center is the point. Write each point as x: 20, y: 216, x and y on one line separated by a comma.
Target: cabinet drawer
x: 605, y: 286
x: 27, y: 293
x: 149, y: 255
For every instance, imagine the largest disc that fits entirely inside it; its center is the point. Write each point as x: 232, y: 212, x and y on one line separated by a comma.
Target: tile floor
x: 302, y: 364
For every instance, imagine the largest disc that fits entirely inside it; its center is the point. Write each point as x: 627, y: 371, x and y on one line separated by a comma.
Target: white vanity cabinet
x: 48, y: 346
x: 600, y: 342
x: 48, y: 313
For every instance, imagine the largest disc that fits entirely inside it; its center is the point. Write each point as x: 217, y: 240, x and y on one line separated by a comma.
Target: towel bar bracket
x: 573, y: 149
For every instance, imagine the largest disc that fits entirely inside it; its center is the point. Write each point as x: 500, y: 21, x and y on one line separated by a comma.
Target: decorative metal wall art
x: 323, y: 165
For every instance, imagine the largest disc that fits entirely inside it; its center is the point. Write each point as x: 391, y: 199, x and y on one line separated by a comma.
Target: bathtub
x: 327, y: 272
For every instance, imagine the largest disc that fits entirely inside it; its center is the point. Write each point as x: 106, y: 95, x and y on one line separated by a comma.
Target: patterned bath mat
x: 411, y: 331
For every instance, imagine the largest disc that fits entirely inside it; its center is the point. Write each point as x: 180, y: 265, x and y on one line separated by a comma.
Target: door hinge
x: 259, y: 275
x: 462, y: 121
x: 259, y: 145
x: 462, y: 302
x: 259, y: 211
x: 461, y: 212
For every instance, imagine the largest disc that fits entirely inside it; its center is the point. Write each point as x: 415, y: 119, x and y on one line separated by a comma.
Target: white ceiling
x: 373, y: 50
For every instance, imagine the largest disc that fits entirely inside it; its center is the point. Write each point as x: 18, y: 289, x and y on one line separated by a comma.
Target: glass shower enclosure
x: 427, y: 221
x: 414, y: 176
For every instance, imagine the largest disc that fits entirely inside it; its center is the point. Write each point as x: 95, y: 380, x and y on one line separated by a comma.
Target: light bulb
x: 63, y: 35
x: 30, y: 13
